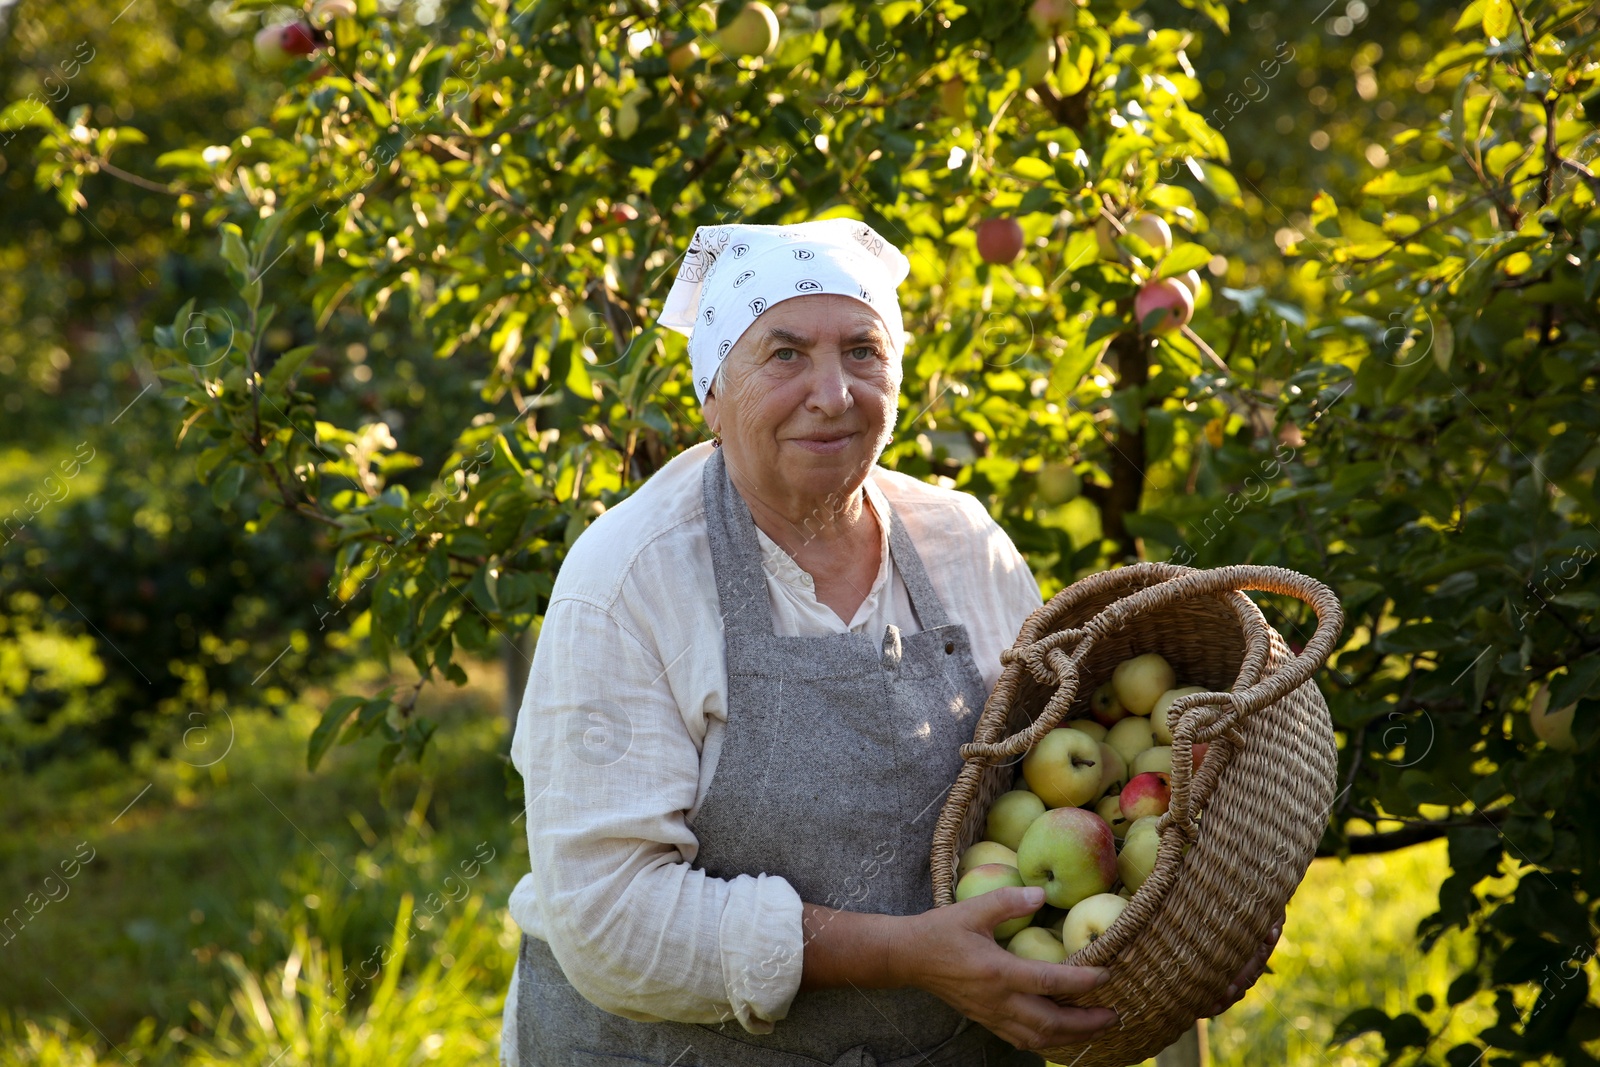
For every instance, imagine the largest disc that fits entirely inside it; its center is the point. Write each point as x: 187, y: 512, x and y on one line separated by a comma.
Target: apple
x: 753, y: 32
x: 1087, y: 726
x: 985, y: 852
x: 1105, y: 707
x: 1037, y: 65
x: 1113, y: 770
x: 1125, y: 893
x: 325, y: 11
x: 1059, y: 483
x: 1089, y: 918
x: 1048, y: 16
x: 1158, y: 713
x: 1152, y: 230
x: 986, y: 878
x: 999, y: 240
x: 1110, y: 809
x: 1105, y: 236
x: 1154, y: 758
x: 278, y: 44
x: 1197, y: 754
x: 681, y: 58
x: 1145, y: 795
x: 1554, y: 728
x: 1063, y: 769
x: 1036, y: 943
x: 1011, y: 815
x: 1190, y: 280
x: 1140, y: 681
x: 953, y: 99
x: 1071, y: 853
x: 626, y: 123
x: 1130, y: 737
x: 1138, y: 856
x: 1170, y: 298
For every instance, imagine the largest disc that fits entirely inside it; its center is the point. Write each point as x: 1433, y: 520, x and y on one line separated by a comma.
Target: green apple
x: 1113, y: 770
x: 1089, y: 918
x: 1037, y: 65
x: 1063, y: 769
x: 1010, y: 815
x: 986, y: 878
x: 753, y: 32
x: 1155, y: 758
x: 1158, y: 713
x: 1145, y: 795
x: 626, y: 123
x: 953, y: 99
x: 1105, y: 707
x: 681, y: 58
x: 1152, y: 230
x: 1140, y: 681
x: 1087, y: 726
x: 1037, y: 943
x: 1110, y: 809
x: 985, y: 852
x: 1059, y: 483
x: 1105, y: 236
x: 1130, y: 737
x: 1138, y: 856
x: 1071, y: 853
x: 1554, y: 728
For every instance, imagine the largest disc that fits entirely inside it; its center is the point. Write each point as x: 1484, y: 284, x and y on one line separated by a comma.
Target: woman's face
x: 809, y: 400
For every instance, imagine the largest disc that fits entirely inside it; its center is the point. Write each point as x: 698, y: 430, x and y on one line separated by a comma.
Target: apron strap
x: 741, y: 578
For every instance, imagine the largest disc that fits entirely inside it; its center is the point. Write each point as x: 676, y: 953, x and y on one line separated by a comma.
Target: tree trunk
x: 1127, y: 453
x: 515, y: 653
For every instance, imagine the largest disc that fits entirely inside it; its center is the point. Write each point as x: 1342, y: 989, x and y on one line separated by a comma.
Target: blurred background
x: 258, y: 806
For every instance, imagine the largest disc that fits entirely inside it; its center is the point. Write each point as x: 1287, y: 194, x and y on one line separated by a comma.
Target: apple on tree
x: 1145, y: 795
x: 1152, y: 230
x: 999, y: 240
x: 753, y: 32
x: 1011, y: 814
x: 953, y: 99
x: 985, y: 852
x: 681, y: 58
x: 1167, y: 296
x: 1059, y: 483
x: 986, y: 878
x: 1071, y: 853
x: 1140, y: 681
x: 1088, y: 919
x: 1036, y: 943
x: 1554, y: 728
x: 325, y: 11
x: 279, y: 44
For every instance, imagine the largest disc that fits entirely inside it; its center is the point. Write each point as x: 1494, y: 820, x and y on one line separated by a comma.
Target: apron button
x: 949, y: 648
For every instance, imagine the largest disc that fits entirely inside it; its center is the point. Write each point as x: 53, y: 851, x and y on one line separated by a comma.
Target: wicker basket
x: 1265, y: 787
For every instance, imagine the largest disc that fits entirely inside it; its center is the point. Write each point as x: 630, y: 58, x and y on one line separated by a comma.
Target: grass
x: 251, y: 913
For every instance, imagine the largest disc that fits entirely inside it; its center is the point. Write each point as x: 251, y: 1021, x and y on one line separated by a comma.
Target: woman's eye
x: 784, y: 354
x: 864, y: 352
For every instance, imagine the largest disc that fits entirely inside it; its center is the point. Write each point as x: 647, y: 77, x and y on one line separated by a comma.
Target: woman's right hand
x: 951, y: 953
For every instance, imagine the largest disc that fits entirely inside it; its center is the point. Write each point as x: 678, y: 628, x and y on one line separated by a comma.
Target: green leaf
x: 1183, y: 258
x: 1406, y: 180
x: 22, y: 113
x: 1217, y: 179
x: 277, y: 378
x: 1497, y: 18
x: 333, y: 718
x: 233, y: 250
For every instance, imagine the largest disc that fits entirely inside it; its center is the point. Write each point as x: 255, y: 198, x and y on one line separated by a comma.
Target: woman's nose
x: 830, y: 387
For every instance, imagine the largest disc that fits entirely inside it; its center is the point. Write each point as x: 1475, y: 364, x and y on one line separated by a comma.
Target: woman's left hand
x: 1249, y: 972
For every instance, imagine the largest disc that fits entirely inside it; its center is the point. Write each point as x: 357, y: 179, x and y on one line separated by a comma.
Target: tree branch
x: 1416, y: 833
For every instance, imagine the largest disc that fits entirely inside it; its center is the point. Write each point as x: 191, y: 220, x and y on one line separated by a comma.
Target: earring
x: 716, y: 440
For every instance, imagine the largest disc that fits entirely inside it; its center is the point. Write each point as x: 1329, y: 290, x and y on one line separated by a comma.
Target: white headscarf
x: 734, y: 272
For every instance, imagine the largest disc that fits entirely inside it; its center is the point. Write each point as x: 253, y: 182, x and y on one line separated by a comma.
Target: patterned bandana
x: 734, y: 272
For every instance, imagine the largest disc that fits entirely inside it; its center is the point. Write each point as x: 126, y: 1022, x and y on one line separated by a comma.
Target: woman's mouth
x: 825, y: 444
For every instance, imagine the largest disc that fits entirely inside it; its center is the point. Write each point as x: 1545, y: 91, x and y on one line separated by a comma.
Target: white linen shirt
x: 622, y: 721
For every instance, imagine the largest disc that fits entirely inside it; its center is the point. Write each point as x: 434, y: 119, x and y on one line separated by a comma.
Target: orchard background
x: 310, y: 373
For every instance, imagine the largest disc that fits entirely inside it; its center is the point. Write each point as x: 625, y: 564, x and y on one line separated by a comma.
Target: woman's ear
x: 709, y: 412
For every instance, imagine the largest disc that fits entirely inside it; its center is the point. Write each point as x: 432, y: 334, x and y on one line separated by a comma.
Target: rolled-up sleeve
x: 610, y: 770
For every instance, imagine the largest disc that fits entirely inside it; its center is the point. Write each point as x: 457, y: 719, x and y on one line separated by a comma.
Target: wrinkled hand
x: 1249, y: 972
x: 951, y: 953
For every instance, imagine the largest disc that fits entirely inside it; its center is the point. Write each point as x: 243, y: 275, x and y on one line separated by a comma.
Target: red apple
x: 1048, y: 16
x: 1105, y: 707
x: 1170, y: 298
x: 1152, y: 230
x: 999, y: 240
x: 1145, y: 794
x: 325, y: 11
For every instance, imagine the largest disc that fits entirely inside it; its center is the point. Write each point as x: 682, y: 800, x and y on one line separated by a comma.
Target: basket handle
x: 1049, y: 657
x: 1240, y: 577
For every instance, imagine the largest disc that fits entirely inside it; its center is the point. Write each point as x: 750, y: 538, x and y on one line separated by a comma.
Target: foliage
x: 1407, y: 414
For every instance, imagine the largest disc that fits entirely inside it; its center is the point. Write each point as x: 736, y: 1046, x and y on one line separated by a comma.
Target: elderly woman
x: 745, y: 708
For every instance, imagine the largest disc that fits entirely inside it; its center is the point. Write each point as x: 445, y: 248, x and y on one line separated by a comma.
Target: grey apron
x: 835, y: 760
